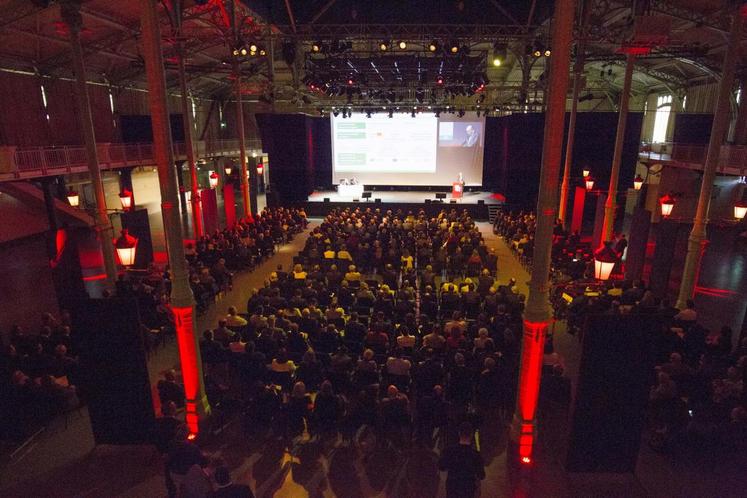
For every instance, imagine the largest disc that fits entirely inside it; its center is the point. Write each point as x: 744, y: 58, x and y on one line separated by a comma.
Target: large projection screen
x: 405, y: 150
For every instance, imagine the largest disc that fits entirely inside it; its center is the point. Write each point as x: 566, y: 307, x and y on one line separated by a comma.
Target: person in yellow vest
x: 407, y: 260
x: 353, y: 274
x: 344, y: 254
x: 329, y: 253
x: 298, y: 273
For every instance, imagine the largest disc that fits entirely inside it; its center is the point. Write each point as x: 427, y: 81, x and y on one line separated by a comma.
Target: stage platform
x: 476, y: 203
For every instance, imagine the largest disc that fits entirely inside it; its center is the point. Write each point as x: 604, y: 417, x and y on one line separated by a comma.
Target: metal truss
x: 473, y: 33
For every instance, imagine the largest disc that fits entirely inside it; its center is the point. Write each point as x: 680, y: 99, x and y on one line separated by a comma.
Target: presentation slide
x: 405, y: 150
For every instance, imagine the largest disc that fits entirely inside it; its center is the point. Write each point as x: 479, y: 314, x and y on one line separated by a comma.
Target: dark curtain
x: 692, y: 128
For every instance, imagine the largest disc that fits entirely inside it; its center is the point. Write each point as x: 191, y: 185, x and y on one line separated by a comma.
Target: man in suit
x: 473, y: 137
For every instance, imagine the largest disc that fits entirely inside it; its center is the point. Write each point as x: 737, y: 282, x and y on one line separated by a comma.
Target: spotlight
x: 499, y: 54
x: 402, y: 44
x: 236, y: 52
x: 351, y: 80
x: 368, y: 113
x: 262, y: 52
x: 391, y: 113
x: 461, y: 113
x: 316, y: 47
x: 433, y: 46
x: 335, y: 112
x: 454, y: 47
x: 437, y: 112
x: 439, y: 80
x: 253, y: 47
x: 412, y: 114
x: 538, y: 49
x: 548, y: 52
x: 243, y: 51
x: 384, y: 45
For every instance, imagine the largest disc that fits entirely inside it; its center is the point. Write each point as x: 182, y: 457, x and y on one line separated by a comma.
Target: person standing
x: 464, y: 466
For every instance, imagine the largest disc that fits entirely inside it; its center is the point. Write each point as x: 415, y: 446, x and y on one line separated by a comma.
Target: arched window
x: 661, y: 121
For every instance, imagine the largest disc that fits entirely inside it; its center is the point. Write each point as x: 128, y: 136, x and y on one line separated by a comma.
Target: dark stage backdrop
x: 692, y: 128
x: 300, y: 152
x: 513, y: 152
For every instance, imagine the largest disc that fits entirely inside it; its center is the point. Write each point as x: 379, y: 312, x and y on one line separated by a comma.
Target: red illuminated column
x: 537, y: 313
x: 697, y: 240
x: 181, y: 294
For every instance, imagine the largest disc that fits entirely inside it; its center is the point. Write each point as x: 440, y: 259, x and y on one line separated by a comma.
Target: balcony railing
x: 42, y: 161
x: 732, y: 158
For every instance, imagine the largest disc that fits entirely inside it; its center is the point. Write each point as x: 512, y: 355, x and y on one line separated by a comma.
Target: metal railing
x: 730, y: 156
x: 51, y: 160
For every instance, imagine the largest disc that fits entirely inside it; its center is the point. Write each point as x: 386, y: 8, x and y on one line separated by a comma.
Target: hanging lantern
x: 126, y: 246
x: 604, y: 261
x: 637, y: 182
x: 125, y: 198
x: 213, y: 178
x: 589, y: 181
x: 260, y: 168
x: 228, y: 169
x: 667, y: 204
x: 73, y: 198
x: 586, y: 172
x: 740, y: 210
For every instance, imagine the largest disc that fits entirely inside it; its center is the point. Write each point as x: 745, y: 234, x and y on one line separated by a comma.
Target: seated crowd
x: 365, y: 332
x: 38, y: 372
x: 698, y: 394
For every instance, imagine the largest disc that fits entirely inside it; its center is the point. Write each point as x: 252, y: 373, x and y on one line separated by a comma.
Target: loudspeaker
x: 452, y: 201
x: 113, y: 370
x: 356, y: 200
x: 326, y: 199
x: 609, y: 413
x: 480, y: 202
x: 427, y: 201
x: 378, y: 199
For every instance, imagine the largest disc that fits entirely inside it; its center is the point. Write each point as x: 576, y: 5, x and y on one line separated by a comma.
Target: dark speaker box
x: 326, y: 199
x: 356, y: 200
x: 480, y: 202
x: 114, y: 377
x: 452, y: 201
x: 609, y: 412
x: 427, y: 201
x: 377, y: 200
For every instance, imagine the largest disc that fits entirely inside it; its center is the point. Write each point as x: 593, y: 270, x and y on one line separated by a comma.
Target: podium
x: 457, y: 189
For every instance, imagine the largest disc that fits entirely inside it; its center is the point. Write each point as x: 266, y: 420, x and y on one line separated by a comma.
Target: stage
x: 477, y: 203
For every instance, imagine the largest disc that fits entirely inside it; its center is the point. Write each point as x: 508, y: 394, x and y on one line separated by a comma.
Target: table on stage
x: 354, y: 191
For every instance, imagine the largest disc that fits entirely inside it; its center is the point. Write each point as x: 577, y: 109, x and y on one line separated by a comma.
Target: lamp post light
x: 586, y: 172
x: 227, y: 169
x: 604, y: 261
x: 740, y: 210
x: 260, y: 169
x: 667, y: 203
x: 73, y: 198
x: 589, y: 181
x: 638, y: 182
x: 213, y: 179
x: 126, y: 246
x: 125, y: 198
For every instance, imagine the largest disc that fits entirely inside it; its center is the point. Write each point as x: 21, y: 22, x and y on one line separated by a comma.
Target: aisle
x: 243, y: 283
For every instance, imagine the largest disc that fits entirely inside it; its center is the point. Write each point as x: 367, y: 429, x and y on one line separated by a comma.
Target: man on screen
x: 473, y: 137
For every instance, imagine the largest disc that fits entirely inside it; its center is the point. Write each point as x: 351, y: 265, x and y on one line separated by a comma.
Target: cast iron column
x: 181, y: 294
x: 537, y: 313
x: 244, y: 177
x: 71, y: 15
x: 187, y: 121
x: 622, y: 118
x: 578, y: 73
x: 697, y: 241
